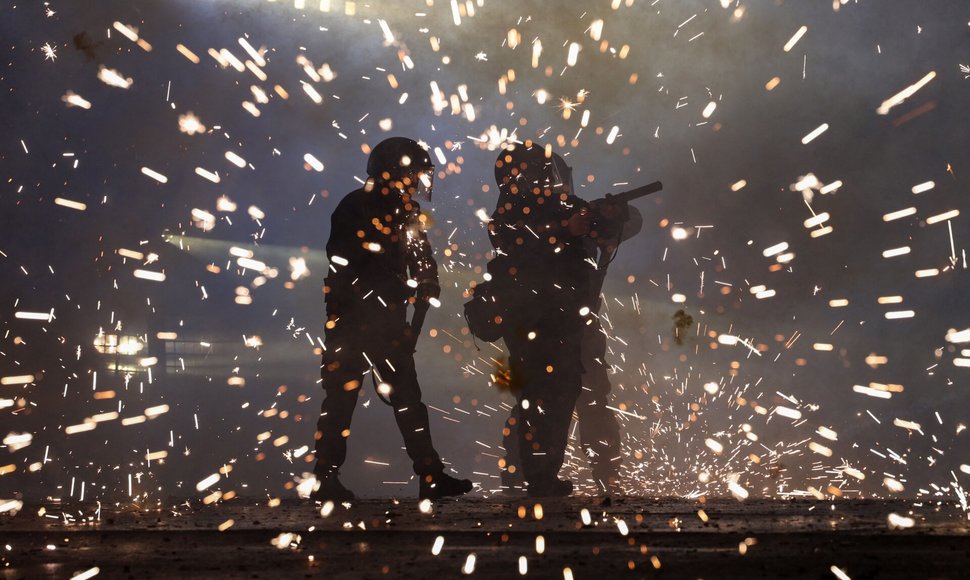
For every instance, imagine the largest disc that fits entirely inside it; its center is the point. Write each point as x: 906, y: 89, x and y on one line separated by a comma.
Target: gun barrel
x: 628, y: 196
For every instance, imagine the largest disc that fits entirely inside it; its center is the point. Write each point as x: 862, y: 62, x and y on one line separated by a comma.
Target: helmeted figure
x: 538, y: 230
x: 380, y: 262
x: 599, y: 430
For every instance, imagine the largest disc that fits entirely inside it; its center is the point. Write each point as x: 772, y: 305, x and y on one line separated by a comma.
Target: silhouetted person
x: 380, y: 261
x: 599, y: 430
x: 538, y: 230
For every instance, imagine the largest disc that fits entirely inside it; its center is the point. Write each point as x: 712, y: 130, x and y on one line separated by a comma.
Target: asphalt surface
x: 491, y: 538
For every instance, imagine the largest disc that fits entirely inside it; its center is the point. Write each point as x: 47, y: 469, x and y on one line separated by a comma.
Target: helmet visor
x: 562, y: 177
x: 422, y: 184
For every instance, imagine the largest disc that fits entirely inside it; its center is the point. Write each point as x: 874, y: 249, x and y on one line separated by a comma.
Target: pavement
x: 498, y: 537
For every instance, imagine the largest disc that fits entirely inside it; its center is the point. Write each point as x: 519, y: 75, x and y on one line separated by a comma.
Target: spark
x: 88, y: 574
x: 190, y: 124
x: 795, y: 38
x: 566, y: 105
x: 926, y: 186
x: 839, y: 573
x: 75, y: 100
x: 815, y: 133
x: 898, y: 522
x: 906, y: 93
x: 113, y: 78
x: 50, y: 53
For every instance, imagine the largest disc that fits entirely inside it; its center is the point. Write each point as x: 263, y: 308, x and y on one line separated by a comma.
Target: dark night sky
x: 684, y: 54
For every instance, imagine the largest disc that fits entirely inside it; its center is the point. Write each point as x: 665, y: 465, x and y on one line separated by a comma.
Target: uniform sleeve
x: 522, y: 224
x: 342, y: 252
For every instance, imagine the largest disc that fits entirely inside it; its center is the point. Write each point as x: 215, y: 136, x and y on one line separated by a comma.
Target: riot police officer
x: 542, y: 277
x: 380, y: 262
x: 599, y: 429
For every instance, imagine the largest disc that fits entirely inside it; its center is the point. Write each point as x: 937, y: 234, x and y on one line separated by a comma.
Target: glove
x: 428, y: 290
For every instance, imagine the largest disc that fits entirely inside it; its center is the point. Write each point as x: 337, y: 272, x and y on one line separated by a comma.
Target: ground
x: 489, y: 538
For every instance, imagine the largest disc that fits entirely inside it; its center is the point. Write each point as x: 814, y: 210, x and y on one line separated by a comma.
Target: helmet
x: 531, y: 164
x: 393, y: 158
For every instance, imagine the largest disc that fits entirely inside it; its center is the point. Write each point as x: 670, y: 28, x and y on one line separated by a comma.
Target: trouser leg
x: 341, y: 384
x: 598, y: 427
x: 544, y: 431
x: 551, y: 373
x: 512, y: 473
x: 412, y: 417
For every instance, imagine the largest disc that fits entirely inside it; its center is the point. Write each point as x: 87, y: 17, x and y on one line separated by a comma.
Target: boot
x: 550, y: 488
x: 329, y: 488
x: 439, y: 485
